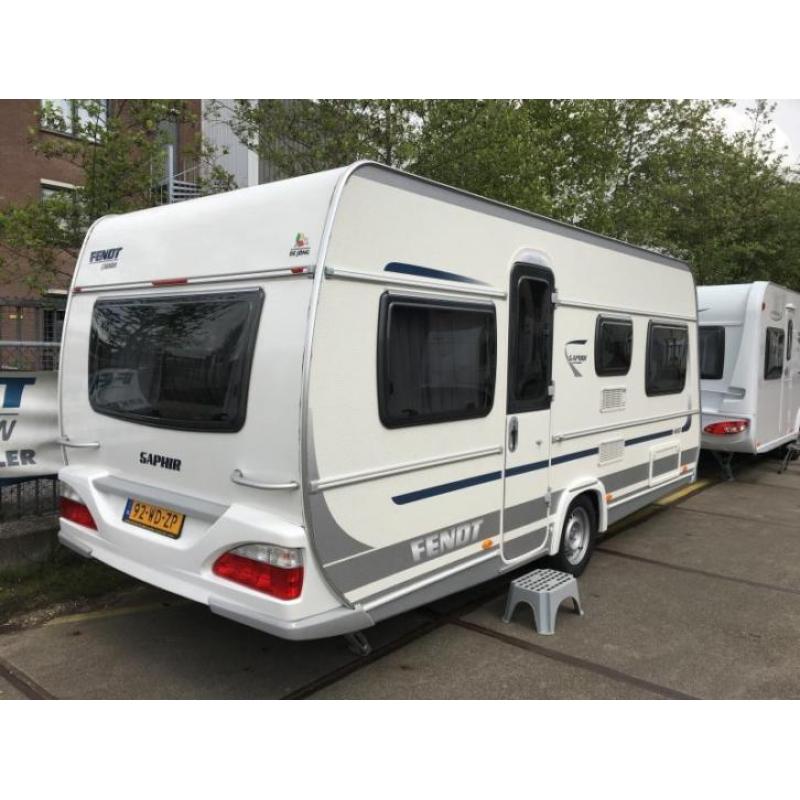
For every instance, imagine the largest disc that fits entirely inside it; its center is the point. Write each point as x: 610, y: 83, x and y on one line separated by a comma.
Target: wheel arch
x: 595, y: 491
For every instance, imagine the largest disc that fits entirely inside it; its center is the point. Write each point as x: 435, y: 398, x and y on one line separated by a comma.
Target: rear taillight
x: 276, y: 571
x: 727, y: 427
x: 75, y: 512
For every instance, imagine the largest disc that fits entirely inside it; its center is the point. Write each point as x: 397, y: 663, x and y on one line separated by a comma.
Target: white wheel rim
x: 576, y: 536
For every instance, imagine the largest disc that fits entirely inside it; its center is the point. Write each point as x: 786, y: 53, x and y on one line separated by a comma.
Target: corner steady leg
x: 358, y: 643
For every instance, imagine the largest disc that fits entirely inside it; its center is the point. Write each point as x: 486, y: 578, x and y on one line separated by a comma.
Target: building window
x: 436, y: 360
x: 712, y: 351
x: 667, y: 353
x: 773, y: 358
x: 613, y: 345
x: 74, y: 117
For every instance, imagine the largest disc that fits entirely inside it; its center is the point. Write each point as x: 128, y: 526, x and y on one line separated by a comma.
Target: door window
x: 773, y: 357
x: 531, y: 339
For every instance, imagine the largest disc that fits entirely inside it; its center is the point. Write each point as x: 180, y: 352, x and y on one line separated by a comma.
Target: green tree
x: 120, y: 153
x: 300, y: 136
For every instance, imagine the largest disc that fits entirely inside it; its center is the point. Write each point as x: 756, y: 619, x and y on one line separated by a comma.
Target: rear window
x: 178, y: 362
x: 712, y: 351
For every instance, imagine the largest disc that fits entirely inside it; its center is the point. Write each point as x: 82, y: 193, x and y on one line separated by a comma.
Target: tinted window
x: 773, y: 360
x: 436, y: 360
x: 613, y: 345
x: 712, y: 351
x: 789, y: 336
x: 667, y: 352
x: 176, y: 362
x: 530, y: 345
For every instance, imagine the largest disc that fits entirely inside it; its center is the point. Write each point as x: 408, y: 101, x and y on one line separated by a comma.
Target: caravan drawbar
x: 317, y: 403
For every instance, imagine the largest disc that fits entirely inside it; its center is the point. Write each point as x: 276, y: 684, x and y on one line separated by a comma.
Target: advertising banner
x: 28, y: 426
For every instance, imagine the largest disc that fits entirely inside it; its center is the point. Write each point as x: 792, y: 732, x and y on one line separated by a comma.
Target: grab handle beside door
x: 513, y: 434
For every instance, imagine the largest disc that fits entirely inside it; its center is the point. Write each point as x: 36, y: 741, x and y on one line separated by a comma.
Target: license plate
x: 153, y: 518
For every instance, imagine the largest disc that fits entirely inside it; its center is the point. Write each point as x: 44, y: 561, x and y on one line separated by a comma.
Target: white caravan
x: 317, y: 403
x: 749, y: 343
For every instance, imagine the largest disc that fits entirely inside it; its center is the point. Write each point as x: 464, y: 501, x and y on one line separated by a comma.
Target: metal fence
x: 30, y: 333
x: 30, y: 340
x: 35, y: 497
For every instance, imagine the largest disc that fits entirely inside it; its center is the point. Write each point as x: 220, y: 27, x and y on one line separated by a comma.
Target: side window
x: 436, y: 360
x: 667, y: 353
x: 613, y: 345
x: 530, y: 339
x: 789, y: 337
x: 712, y: 351
x: 773, y: 358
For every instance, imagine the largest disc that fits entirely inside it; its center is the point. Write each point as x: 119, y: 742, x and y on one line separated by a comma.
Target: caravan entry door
x: 527, y: 446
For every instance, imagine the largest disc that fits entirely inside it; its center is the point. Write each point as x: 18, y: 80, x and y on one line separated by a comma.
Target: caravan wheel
x: 577, y: 537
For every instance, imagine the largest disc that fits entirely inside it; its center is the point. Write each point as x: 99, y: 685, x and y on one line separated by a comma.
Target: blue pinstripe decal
x: 488, y: 477
x: 429, y: 272
x: 444, y: 488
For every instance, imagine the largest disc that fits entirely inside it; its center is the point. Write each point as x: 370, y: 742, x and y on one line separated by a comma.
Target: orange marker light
x: 486, y: 544
x: 609, y: 497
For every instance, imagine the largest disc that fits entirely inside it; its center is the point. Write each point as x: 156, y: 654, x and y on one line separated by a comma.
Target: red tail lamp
x: 75, y: 512
x: 276, y: 571
x: 727, y: 427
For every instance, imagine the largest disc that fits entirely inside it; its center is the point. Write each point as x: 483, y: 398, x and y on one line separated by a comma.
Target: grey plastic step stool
x: 543, y: 590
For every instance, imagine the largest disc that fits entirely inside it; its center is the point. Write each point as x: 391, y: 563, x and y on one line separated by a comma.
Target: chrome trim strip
x: 636, y: 312
x: 65, y: 441
x: 259, y: 274
x: 305, y: 438
x: 373, y: 474
x: 390, y: 280
x: 563, y: 437
x: 238, y: 477
x: 437, y: 576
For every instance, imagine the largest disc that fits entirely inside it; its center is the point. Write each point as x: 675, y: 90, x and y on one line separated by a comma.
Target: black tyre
x: 577, y: 537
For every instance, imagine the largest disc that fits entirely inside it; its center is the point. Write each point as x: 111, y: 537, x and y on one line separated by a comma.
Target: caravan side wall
x: 396, y: 511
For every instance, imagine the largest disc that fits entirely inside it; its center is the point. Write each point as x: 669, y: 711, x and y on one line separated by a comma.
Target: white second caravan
x: 317, y: 403
x: 749, y: 366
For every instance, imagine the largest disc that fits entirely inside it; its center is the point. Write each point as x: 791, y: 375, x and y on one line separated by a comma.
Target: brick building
x: 25, y: 176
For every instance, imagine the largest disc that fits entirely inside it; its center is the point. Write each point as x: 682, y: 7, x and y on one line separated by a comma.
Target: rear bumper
x: 731, y: 443
x: 334, y: 622
x: 184, y: 566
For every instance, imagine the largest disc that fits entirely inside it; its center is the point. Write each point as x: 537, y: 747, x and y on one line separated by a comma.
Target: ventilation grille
x: 611, y: 451
x: 613, y: 399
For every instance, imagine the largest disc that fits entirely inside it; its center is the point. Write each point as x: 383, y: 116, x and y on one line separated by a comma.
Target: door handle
x: 513, y: 434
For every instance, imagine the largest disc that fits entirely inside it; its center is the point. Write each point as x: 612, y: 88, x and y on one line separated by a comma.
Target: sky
x: 786, y: 119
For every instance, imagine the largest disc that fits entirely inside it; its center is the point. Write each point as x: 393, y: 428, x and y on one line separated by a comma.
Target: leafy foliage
x: 120, y: 153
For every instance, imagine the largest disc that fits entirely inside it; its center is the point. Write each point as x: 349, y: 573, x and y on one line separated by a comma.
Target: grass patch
x: 64, y: 577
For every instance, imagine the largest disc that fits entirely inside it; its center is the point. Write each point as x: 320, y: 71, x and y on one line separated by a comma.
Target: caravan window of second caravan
x: 667, y: 353
x: 773, y: 358
x: 712, y: 351
x: 436, y: 360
